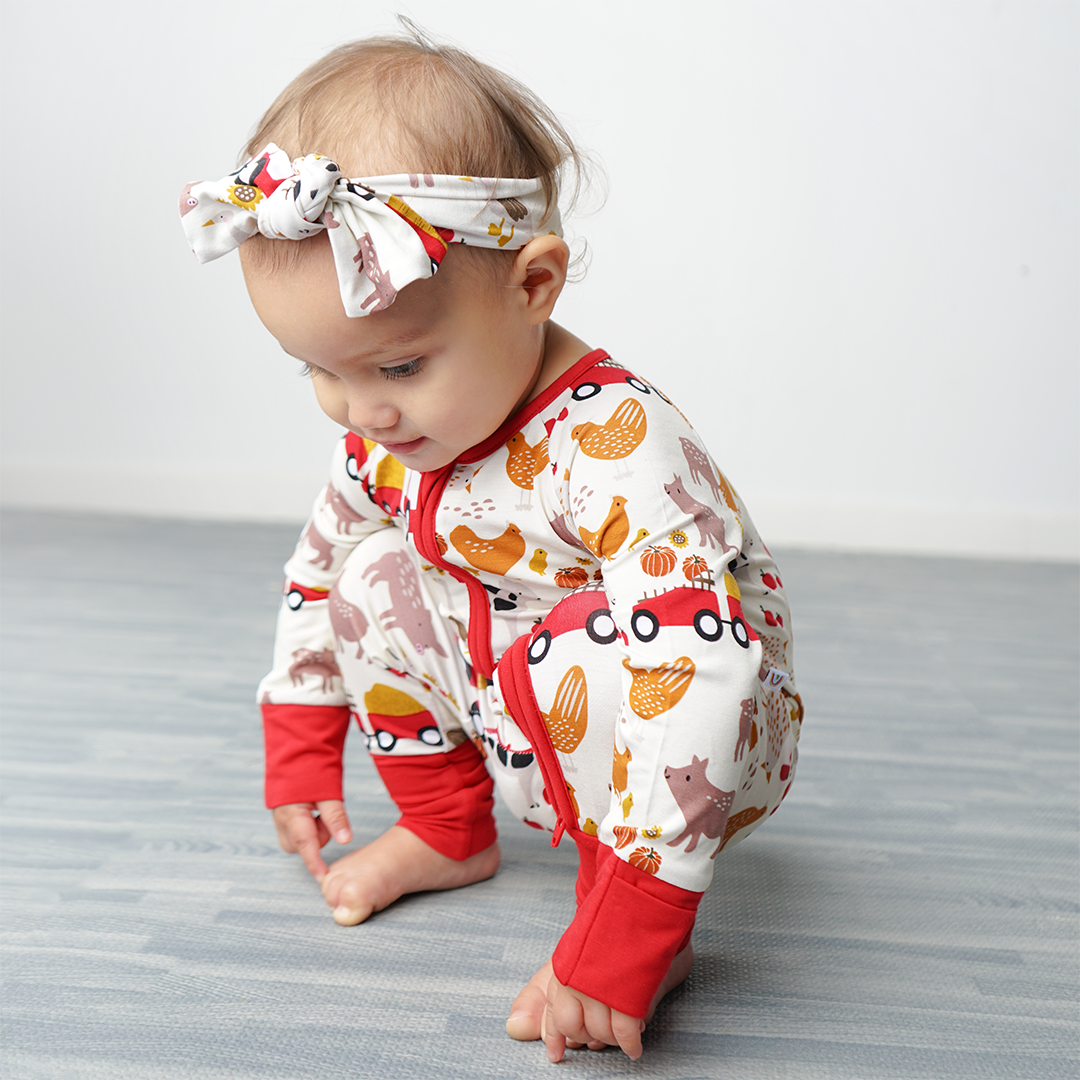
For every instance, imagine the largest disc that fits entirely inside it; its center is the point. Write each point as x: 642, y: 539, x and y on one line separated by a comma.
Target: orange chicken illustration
x: 612, y: 534
x: 656, y: 691
x: 618, y: 438
x: 494, y: 556
x: 569, y: 716
x: 525, y: 462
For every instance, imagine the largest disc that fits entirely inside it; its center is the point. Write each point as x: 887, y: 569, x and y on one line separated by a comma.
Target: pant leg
x: 408, y: 685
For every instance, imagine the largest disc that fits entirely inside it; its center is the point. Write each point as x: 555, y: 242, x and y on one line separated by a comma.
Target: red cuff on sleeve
x: 626, y: 933
x: 304, y: 744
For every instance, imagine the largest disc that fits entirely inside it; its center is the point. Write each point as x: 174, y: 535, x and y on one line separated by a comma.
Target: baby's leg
x: 575, y: 678
x: 407, y: 684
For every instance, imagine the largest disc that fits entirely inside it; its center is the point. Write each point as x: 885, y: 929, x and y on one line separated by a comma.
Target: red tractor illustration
x: 694, y: 605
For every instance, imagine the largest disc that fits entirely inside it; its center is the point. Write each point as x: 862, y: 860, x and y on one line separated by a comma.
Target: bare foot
x: 399, y: 862
x: 527, y: 1013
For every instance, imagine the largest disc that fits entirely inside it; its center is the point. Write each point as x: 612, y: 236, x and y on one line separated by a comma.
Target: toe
x: 527, y: 1011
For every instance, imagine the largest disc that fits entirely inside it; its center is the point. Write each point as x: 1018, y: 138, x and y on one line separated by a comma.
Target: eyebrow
x: 406, y: 337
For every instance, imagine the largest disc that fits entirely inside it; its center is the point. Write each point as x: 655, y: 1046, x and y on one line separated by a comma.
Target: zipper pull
x: 556, y: 834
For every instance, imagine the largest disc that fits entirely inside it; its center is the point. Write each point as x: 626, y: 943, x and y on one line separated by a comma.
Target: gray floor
x: 911, y: 912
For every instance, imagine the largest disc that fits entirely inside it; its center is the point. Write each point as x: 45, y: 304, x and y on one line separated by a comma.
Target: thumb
x: 332, y: 812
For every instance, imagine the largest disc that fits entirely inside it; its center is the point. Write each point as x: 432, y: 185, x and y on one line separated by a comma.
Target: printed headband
x: 380, y: 242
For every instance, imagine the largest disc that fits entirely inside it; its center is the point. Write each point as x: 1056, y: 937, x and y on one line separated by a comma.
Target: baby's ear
x: 540, y: 270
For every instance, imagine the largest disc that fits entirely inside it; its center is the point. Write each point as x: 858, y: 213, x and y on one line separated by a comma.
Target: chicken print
x: 525, y: 463
x: 618, y: 438
x: 612, y: 533
x: 569, y: 716
x: 494, y: 556
x: 654, y: 692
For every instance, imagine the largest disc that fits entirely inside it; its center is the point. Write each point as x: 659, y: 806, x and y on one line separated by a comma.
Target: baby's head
x: 389, y: 105
x: 436, y: 365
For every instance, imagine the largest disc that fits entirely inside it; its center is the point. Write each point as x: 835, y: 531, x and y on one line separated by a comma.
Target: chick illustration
x: 656, y: 691
x: 618, y: 438
x: 494, y: 556
x: 538, y: 562
x: 569, y: 716
x: 641, y: 534
x: 627, y: 805
x: 612, y: 534
x: 573, y: 800
x: 590, y: 828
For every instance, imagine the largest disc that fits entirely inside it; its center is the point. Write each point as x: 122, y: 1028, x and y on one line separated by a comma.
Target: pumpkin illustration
x: 571, y: 577
x: 624, y: 834
x: 645, y: 858
x: 694, y: 566
x: 440, y: 542
x: 658, y: 561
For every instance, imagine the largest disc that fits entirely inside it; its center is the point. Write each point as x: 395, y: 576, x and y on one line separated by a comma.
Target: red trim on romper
x: 629, y: 925
x: 431, y: 489
x: 445, y: 799
x: 304, y: 744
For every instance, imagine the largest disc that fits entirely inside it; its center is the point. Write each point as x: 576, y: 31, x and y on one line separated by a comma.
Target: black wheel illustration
x: 585, y: 391
x: 637, y: 384
x: 708, y: 625
x: 600, y: 627
x: 351, y: 467
x: 738, y: 632
x: 430, y: 736
x: 645, y: 625
x: 385, y: 740
x: 294, y: 598
x: 538, y: 647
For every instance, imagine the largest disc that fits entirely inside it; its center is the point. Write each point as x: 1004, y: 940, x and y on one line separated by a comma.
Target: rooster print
x: 615, y: 528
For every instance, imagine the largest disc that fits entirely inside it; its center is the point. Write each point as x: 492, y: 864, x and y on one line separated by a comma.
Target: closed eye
x: 403, y: 371
x: 310, y: 371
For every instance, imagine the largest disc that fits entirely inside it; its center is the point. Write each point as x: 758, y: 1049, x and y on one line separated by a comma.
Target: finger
x: 554, y: 1040
x: 335, y: 820
x: 308, y: 848
x: 627, y: 1032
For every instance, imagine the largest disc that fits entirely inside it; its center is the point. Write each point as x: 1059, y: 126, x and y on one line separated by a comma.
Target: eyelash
x: 403, y: 371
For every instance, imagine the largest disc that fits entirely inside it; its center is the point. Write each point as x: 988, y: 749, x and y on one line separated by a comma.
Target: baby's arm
x: 305, y: 712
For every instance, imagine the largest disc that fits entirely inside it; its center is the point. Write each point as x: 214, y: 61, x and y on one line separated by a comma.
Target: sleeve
x: 667, y: 530
x: 305, y: 712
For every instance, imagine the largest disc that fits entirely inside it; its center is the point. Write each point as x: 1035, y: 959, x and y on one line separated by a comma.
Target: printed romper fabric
x: 584, y: 599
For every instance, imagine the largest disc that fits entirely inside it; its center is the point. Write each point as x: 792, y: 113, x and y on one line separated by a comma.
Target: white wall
x: 868, y: 210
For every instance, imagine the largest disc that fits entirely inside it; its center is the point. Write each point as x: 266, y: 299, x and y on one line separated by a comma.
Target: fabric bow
x: 380, y: 242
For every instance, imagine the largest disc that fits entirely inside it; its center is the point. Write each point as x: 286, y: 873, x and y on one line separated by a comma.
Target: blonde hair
x: 406, y: 103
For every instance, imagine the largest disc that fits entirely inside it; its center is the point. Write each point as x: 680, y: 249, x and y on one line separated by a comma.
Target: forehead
x: 299, y: 301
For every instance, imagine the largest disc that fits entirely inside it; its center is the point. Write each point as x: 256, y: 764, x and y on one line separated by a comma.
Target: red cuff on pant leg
x: 304, y: 745
x: 445, y: 799
x: 625, y: 935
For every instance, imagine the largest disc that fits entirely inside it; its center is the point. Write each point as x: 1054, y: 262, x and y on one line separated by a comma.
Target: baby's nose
x: 369, y: 414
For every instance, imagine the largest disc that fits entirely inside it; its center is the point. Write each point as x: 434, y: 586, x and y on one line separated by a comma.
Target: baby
x: 526, y: 572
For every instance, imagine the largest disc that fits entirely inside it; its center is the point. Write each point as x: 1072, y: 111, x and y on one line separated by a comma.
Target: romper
x: 579, y: 608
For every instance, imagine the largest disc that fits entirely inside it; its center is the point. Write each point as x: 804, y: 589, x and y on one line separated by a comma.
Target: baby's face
x: 429, y: 377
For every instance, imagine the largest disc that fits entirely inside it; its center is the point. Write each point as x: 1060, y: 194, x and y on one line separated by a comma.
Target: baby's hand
x: 303, y: 828
x: 577, y: 1018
